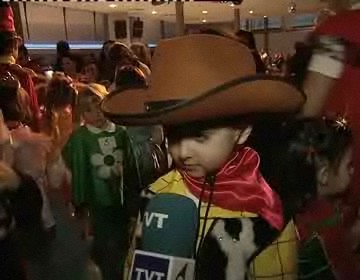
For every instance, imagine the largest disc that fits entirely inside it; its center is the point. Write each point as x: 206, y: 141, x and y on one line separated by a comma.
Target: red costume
x: 345, y: 97
x: 7, y: 62
x: 338, y: 56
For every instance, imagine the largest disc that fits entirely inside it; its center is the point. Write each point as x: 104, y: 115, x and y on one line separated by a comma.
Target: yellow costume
x: 277, y: 262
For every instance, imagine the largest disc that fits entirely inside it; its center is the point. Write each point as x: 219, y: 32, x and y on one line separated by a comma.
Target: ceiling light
x: 154, y: 12
x: 251, y: 12
x: 204, y: 20
x: 232, y: 5
x: 204, y: 12
x: 292, y: 7
x: 112, y: 5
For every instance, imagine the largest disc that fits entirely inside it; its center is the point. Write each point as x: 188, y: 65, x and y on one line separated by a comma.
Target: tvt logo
x: 145, y: 274
x: 147, y: 267
x: 149, y: 217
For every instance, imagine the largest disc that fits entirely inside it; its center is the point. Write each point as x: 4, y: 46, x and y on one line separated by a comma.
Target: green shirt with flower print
x: 103, y: 166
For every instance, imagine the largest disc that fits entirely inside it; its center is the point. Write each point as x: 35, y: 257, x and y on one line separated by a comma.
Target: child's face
x: 92, y: 114
x: 91, y: 72
x: 204, y: 151
x: 69, y: 66
x: 339, y: 177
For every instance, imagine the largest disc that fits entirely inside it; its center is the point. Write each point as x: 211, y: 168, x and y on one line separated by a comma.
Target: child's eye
x: 201, y: 138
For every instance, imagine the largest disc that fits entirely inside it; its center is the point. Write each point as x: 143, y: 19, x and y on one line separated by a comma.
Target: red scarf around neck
x: 239, y: 186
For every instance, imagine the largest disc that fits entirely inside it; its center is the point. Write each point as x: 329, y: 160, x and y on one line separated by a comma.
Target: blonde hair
x: 142, y: 52
x: 91, y: 93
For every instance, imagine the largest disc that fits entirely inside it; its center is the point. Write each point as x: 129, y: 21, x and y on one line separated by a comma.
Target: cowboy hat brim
x: 243, y: 96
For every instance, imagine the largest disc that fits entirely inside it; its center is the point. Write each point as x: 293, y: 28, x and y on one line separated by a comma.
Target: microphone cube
x: 153, y: 266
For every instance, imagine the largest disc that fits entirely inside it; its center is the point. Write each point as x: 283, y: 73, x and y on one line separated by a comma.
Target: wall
x: 283, y: 41
x: 279, y: 41
x: 222, y: 26
x: 43, y: 23
x: 46, y: 24
x: 151, y: 31
x: 111, y: 25
x: 169, y: 29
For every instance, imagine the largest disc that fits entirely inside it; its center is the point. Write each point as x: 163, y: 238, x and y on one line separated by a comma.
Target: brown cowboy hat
x: 201, y: 77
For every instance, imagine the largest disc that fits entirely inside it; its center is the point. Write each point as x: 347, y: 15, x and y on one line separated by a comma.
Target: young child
x: 206, y: 105
x: 321, y: 151
x: 28, y: 152
x: 60, y: 116
x: 331, y: 83
x: 104, y: 180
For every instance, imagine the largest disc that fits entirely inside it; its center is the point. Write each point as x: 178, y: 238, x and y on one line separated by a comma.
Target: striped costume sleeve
x: 329, y: 57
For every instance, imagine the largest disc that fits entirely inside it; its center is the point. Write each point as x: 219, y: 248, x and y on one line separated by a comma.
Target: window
x: 304, y: 20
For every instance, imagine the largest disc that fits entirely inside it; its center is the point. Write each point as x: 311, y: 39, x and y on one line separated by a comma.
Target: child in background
x: 27, y: 154
x: 147, y: 140
x: 322, y: 152
x: 48, y: 256
x: 59, y: 119
x: 104, y: 181
x: 90, y: 72
x: 60, y: 108
x: 29, y: 149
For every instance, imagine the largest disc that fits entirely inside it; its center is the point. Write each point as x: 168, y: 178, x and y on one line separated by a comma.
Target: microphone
x: 169, y: 239
x: 170, y: 225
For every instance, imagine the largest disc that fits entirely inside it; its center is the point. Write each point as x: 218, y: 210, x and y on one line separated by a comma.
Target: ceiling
x: 193, y: 11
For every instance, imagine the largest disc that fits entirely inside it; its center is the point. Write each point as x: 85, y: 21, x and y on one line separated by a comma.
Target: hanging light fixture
x: 292, y: 7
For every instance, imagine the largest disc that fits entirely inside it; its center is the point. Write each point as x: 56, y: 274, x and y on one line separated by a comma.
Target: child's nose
x: 184, y: 149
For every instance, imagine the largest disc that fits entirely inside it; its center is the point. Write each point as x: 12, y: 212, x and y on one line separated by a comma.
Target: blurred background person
x: 142, y: 52
x: 90, y: 72
x: 72, y: 65
x: 106, y: 66
x: 248, y: 39
x: 62, y: 49
x: 121, y: 56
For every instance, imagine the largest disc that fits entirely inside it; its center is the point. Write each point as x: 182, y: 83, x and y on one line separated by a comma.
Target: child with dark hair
x: 23, y: 150
x: 62, y: 49
x: 90, y: 72
x: 122, y: 55
x: 129, y: 76
x: 147, y: 139
x: 105, y: 65
x: 60, y: 107
x: 321, y: 152
x: 72, y: 65
x: 207, y: 103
